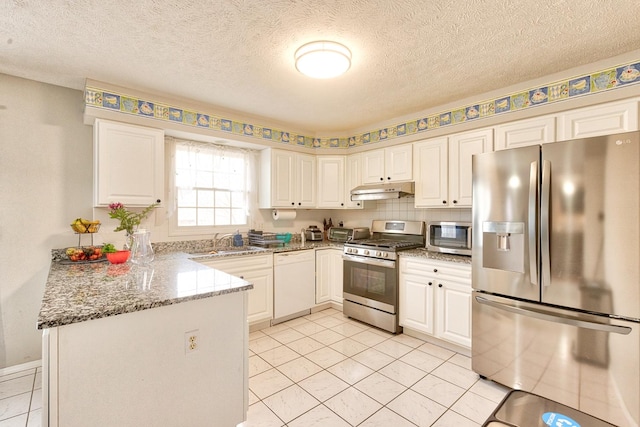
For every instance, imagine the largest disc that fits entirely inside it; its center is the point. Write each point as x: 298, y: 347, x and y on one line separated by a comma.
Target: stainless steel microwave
x: 449, y: 237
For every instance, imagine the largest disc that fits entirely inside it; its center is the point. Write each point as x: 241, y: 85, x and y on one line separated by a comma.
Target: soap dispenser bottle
x: 237, y: 239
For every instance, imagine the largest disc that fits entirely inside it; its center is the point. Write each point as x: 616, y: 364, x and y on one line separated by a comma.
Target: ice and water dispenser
x: 503, y: 245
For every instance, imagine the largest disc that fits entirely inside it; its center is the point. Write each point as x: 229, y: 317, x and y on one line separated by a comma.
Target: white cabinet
x: 128, y: 164
x: 435, y: 299
x: 287, y: 179
x: 353, y: 177
x: 605, y: 119
x: 258, y: 270
x: 92, y: 367
x: 526, y: 132
x: 391, y: 164
x: 329, y: 272
x: 443, y: 168
x: 331, y: 182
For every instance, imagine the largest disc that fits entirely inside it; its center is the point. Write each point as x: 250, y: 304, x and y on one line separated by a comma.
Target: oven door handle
x: 370, y: 261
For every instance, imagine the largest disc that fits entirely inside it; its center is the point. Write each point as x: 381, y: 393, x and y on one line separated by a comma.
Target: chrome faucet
x: 217, y: 240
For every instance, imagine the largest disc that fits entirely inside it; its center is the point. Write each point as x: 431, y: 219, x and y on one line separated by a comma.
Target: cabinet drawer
x: 241, y: 263
x: 436, y: 268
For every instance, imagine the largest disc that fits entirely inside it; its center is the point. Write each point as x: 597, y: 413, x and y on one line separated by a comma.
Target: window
x: 211, y: 186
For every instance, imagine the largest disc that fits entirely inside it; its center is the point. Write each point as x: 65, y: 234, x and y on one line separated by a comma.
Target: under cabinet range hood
x: 394, y: 190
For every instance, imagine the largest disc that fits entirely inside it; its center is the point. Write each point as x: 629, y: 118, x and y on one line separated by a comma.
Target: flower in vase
x: 129, y: 220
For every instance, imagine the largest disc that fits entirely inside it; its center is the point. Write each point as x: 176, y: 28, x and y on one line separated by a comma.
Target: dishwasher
x: 294, y: 286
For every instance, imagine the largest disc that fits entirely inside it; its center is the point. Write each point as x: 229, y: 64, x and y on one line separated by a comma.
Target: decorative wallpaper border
x: 599, y: 81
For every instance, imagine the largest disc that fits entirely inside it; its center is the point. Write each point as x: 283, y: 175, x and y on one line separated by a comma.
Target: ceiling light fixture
x: 323, y: 59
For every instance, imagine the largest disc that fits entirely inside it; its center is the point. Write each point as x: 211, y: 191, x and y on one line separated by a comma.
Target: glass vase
x: 141, y: 250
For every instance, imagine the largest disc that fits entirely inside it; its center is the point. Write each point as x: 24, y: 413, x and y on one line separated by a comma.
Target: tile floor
x: 327, y: 370
x: 21, y: 398
x: 324, y: 370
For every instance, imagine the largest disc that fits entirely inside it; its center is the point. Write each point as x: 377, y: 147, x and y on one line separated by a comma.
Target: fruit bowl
x: 85, y: 226
x: 85, y: 254
x: 118, y: 257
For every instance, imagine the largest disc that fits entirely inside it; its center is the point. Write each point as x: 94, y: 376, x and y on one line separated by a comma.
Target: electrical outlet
x: 191, y: 341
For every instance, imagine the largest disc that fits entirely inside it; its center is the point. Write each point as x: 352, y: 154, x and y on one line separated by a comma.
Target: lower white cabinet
x: 329, y: 275
x: 258, y: 270
x: 435, y: 299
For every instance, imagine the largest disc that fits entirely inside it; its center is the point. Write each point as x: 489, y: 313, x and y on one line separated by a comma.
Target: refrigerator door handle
x: 532, y: 226
x: 551, y: 317
x: 545, y: 214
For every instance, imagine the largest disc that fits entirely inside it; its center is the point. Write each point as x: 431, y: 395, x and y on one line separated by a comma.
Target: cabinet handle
x: 158, y: 200
x: 381, y: 179
x: 358, y: 203
x: 439, y: 285
x: 341, y: 204
x: 389, y: 178
x: 444, y: 202
x: 242, y: 277
x: 455, y: 201
x: 435, y: 270
x: 299, y: 204
x: 430, y: 283
x: 293, y: 204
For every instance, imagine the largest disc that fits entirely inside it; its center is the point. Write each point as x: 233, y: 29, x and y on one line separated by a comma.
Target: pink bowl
x: 118, y: 257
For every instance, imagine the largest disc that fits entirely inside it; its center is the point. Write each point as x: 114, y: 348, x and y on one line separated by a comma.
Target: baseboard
x: 449, y: 346
x: 23, y: 367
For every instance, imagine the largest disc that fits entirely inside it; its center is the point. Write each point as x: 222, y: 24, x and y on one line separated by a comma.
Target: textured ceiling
x: 237, y: 55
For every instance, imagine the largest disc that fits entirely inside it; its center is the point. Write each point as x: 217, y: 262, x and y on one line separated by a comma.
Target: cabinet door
x: 606, y: 119
x: 373, y: 167
x: 282, y: 179
x: 416, y: 303
x: 305, y: 182
x: 331, y: 182
x: 336, y: 269
x: 398, y: 165
x: 323, y: 275
x: 431, y: 172
x: 461, y: 149
x: 128, y: 164
x: 353, y: 179
x: 260, y: 298
x: 453, y: 313
x: 526, y: 132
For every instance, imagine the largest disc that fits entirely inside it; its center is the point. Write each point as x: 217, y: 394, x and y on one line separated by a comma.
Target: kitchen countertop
x: 76, y: 292
x: 423, y: 253
x: 79, y: 292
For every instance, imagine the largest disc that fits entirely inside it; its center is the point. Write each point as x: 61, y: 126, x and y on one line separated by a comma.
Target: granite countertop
x: 423, y: 253
x: 76, y: 292
x: 79, y: 292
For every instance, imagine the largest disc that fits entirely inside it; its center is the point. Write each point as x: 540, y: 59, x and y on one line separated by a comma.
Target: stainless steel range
x: 371, y: 275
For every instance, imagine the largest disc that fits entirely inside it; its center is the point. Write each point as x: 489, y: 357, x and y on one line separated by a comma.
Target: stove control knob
x: 366, y: 252
x: 385, y: 254
x: 378, y: 254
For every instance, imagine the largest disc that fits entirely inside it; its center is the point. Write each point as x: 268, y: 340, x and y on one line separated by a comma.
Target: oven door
x: 371, y: 282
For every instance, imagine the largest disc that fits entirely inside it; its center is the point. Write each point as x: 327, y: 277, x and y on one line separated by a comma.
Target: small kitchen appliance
x: 370, y: 274
x: 449, y: 237
x: 345, y: 234
x: 313, y: 233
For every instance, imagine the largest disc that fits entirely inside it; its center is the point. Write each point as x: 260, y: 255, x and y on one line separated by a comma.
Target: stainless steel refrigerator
x: 556, y: 273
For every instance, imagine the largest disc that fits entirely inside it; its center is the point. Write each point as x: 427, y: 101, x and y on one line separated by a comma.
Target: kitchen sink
x: 229, y: 250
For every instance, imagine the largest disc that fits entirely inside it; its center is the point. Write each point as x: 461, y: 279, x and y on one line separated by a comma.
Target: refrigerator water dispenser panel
x: 503, y: 245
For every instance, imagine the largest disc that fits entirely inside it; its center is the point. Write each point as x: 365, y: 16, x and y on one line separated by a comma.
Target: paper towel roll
x: 280, y: 215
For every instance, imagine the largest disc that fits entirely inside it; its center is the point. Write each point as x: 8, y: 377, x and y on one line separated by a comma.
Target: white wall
x: 45, y: 182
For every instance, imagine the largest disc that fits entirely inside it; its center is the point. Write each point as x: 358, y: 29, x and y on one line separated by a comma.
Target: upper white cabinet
x: 391, y: 164
x: 606, y: 119
x: 443, y: 168
x: 288, y: 179
x: 128, y: 164
x: 526, y: 132
x: 331, y: 182
x: 353, y: 179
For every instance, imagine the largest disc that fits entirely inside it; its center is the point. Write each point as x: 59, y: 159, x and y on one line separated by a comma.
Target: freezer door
x: 590, y: 240
x: 504, y: 243
x: 587, y: 362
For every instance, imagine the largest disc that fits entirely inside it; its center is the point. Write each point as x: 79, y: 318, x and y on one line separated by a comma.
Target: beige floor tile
x: 417, y: 408
x: 348, y: 347
x: 259, y: 415
x: 350, y: 371
x: 323, y: 385
x: 268, y: 383
x: 325, y: 357
x: 439, y: 390
x: 290, y: 403
x: 299, y: 369
x: 353, y: 405
x: 373, y: 359
x: 403, y: 373
x: 320, y: 416
x: 305, y: 345
x: 380, y: 388
x: 386, y: 418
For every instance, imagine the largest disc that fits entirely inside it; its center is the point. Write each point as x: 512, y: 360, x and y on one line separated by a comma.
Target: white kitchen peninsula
x: 131, y: 346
